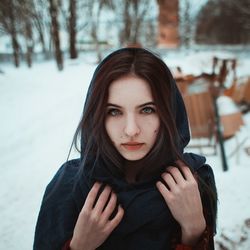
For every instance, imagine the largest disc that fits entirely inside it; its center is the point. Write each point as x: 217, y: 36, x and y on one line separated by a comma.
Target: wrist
x: 191, y: 234
x: 75, y: 245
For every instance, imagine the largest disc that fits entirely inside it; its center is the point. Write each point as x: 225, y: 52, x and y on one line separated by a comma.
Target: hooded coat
x: 147, y: 223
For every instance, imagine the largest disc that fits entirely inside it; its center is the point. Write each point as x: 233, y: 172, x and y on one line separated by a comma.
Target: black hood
x: 178, y: 109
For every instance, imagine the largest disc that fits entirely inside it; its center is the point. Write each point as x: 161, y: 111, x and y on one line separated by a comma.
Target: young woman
x: 133, y: 187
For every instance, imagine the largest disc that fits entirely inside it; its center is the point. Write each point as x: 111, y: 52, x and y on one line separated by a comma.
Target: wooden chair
x: 241, y: 94
x: 222, y: 68
x: 231, y: 125
x: 223, y: 71
x: 182, y: 80
x: 201, y: 117
x: 246, y: 97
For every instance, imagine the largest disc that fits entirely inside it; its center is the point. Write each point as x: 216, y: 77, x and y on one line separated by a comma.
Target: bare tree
x: 72, y: 29
x: 26, y: 13
x: 29, y: 42
x: 134, y: 13
x: 41, y: 24
x: 9, y: 25
x: 243, y: 8
x: 21, y: 20
x: 95, y: 28
x: 125, y: 33
x: 53, y: 9
x: 225, y: 22
x: 186, y: 35
x: 36, y: 22
x: 95, y: 8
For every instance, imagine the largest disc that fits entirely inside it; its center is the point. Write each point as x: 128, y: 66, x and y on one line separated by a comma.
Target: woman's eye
x: 114, y: 112
x: 148, y: 110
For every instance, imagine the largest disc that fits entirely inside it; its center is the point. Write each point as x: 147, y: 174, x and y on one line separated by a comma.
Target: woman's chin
x: 133, y: 156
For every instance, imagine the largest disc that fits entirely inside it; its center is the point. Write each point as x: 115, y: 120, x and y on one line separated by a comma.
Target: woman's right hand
x: 94, y: 225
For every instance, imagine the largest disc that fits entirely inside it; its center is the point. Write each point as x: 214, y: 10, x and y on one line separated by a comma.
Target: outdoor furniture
x: 222, y: 69
x: 231, y: 124
x: 200, y: 94
x: 201, y: 117
x: 231, y: 121
x: 241, y: 94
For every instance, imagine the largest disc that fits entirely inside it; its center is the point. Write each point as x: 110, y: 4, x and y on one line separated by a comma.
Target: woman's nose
x: 131, y: 128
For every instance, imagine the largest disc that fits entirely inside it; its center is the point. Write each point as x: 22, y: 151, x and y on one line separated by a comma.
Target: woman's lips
x: 132, y: 146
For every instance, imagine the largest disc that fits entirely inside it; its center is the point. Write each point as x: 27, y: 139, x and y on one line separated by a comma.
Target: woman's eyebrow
x: 146, y: 104
x: 113, y: 105
x: 139, y: 106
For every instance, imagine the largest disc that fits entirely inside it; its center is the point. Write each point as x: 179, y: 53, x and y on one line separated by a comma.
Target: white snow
x: 40, y: 109
x: 226, y: 105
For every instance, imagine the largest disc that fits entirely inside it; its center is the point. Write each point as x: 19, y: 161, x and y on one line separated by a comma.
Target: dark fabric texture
x: 147, y: 223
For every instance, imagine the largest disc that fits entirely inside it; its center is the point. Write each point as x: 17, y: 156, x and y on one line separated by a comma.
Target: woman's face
x: 132, y: 122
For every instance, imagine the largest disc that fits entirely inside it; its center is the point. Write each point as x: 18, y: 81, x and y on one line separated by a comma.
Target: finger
x: 187, y: 173
x: 110, y: 207
x: 102, y: 200
x: 90, y: 200
x: 163, y: 190
x: 117, y: 219
x: 180, y: 163
x: 176, y: 174
x: 169, y: 180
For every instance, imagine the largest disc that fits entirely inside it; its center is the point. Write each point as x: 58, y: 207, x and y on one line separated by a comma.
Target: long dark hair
x: 173, y: 135
x: 94, y: 139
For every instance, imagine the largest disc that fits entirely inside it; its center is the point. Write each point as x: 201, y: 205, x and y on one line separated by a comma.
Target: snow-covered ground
x: 40, y: 109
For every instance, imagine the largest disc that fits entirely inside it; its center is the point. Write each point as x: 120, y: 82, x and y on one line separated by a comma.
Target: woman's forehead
x: 130, y: 89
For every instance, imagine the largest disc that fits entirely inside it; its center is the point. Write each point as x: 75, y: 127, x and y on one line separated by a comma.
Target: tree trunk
x: 29, y: 43
x: 55, y: 33
x: 16, y: 49
x: 40, y: 30
x: 96, y: 42
x: 94, y: 33
x: 126, y: 31
x: 13, y: 33
x: 72, y: 29
x: 139, y: 14
x: 136, y: 23
x: 187, y: 25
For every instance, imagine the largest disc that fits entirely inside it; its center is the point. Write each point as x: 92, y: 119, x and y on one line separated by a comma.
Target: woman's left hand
x: 181, y: 193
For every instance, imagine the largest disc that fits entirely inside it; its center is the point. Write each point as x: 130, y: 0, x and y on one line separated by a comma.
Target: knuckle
x: 171, y: 198
x: 193, y: 184
x: 94, y: 218
x: 113, y: 199
x: 182, y: 186
x: 166, y: 175
x: 178, y: 191
x: 105, y: 192
x: 85, y: 212
x: 175, y: 170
